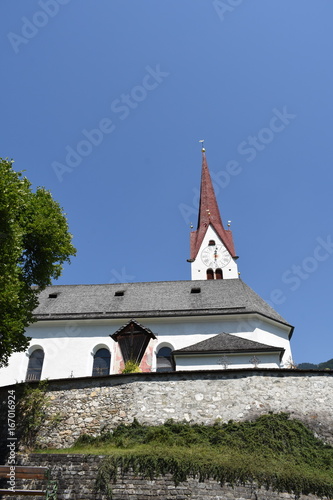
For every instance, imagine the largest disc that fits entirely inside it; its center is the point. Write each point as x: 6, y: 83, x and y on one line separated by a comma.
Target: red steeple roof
x: 209, y: 214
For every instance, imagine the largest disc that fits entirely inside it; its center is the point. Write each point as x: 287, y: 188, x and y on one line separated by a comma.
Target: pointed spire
x: 209, y: 214
x: 208, y: 208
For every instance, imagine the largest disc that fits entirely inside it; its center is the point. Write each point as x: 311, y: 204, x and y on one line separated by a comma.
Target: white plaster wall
x: 69, y: 346
x: 68, y: 351
x: 266, y: 332
x: 216, y: 362
x: 198, y: 268
x: 192, y: 331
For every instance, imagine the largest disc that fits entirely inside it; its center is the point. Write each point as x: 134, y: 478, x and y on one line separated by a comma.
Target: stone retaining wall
x: 92, y: 405
x: 76, y: 477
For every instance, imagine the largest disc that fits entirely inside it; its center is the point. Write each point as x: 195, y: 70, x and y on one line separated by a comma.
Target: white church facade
x: 212, y: 322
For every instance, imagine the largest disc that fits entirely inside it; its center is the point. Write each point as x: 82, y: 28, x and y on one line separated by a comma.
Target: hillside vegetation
x: 327, y: 365
x: 273, y: 451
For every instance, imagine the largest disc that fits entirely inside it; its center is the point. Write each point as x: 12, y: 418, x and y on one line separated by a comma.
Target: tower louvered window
x: 210, y: 274
x: 218, y: 274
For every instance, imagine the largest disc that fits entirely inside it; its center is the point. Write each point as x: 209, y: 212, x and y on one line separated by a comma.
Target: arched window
x: 164, y: 361
x: 218, y: 274
x: 210, y: 274
x: 35, y: 365
x: 211, y: 243
x: 102, y: 359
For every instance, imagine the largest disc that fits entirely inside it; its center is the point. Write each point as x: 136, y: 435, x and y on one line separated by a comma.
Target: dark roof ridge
x: 136, y: 283
x: 226, y: 342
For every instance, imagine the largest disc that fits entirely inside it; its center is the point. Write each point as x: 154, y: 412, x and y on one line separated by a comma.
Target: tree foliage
x: 327, y: 365
x: 34, y: 244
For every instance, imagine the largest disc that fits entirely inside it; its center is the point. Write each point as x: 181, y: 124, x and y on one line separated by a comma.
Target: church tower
x: 212, y: 248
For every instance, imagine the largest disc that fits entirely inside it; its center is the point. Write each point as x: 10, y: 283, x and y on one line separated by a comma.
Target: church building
x: 212, y: 322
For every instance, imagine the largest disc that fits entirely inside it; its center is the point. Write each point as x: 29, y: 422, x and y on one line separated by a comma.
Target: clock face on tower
x: 215, y: 256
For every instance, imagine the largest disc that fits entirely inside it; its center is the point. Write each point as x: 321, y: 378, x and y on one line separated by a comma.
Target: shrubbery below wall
x: 93, y: 405
x: 76, y: 479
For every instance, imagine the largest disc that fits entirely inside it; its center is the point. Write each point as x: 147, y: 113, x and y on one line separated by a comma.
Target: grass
x: 273, y: 451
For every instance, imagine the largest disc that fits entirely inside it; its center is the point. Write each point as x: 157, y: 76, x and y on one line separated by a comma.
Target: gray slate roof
x: 155, y: 299
x: 226, y: 343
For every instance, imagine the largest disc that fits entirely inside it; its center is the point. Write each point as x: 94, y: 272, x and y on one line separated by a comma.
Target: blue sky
x: 103, y: 103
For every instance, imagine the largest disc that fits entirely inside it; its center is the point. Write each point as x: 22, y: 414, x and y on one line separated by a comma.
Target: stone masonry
x: 93, y: 405
x: 76, y: 479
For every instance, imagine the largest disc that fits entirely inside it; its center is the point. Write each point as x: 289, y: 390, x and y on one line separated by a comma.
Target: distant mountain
x: 307, y: 366
x: 328, y: 365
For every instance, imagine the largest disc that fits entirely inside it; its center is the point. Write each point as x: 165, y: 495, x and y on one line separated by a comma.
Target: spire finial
x: 202, y: 145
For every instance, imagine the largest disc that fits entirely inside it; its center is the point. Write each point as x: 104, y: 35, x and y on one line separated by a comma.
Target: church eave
x: 160, y: 314
x: 230, y: 351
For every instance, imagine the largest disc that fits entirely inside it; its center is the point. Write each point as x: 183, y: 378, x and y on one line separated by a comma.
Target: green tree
x: 34, y: 243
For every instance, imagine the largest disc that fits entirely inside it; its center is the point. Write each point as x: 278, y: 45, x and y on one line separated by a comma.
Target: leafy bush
x: 131, y: 367
x: 31, y: 408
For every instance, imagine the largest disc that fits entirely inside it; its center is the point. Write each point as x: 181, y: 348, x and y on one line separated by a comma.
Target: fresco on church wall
x: 118, y: 360
x: 146, y: 362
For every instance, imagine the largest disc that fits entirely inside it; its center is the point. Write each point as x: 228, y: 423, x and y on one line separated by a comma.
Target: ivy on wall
x: 273, y: 451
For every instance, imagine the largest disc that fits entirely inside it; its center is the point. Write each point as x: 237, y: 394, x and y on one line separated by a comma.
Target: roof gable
x: 132, y: 327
